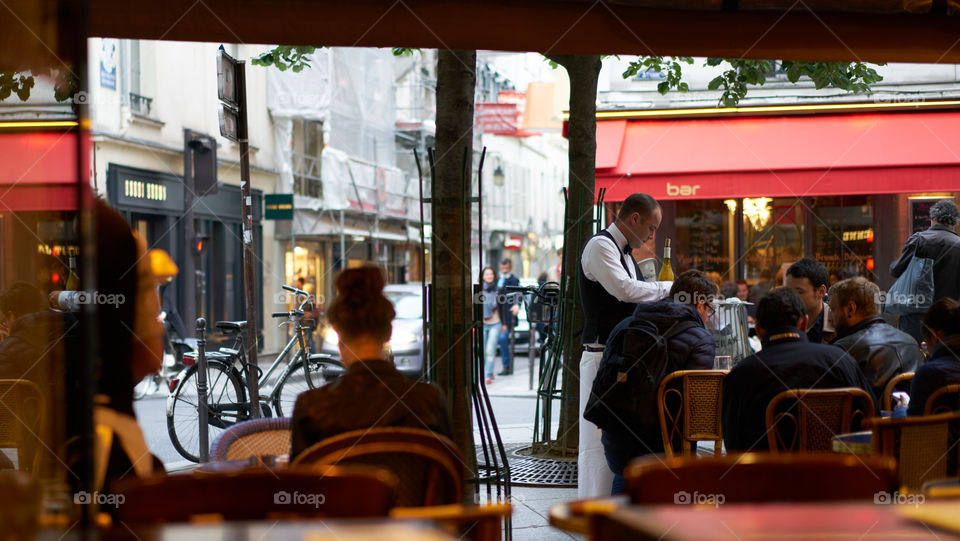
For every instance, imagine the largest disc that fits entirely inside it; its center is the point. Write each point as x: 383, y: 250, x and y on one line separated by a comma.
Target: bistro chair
x: 943, y: 400
x: 689, y: 404
x: 427, y: 464
x: 900, y: 382
x: 257, y: 495
x: 758, y: 477
x: 23, y: 411
x: 806, y: 420
x: 253, y: 438
x: 927, y: 448
x: 466, y: 522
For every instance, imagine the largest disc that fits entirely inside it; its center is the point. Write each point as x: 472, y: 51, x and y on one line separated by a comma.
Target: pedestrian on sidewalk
x: 491, y: 320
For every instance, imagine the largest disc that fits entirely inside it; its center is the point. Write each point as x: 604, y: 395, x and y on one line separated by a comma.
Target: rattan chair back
x: 926, y: 448
x: 256, y: 437
x: 690, y: 407
x: 806, y: 420
x: 427, y: 465
x: 944, y: 400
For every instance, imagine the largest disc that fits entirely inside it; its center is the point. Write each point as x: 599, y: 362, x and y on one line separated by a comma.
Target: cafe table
x: 281, y: 530
x: 860, y: 443
x: 742, y: 522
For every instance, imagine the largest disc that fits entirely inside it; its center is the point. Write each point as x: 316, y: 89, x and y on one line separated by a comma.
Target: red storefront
x: 747, y: 191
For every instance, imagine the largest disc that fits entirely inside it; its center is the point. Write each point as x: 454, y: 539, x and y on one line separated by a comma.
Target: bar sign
x: 278, y: 206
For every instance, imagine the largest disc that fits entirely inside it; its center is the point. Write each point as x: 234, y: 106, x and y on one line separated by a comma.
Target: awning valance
x: 784, y: 156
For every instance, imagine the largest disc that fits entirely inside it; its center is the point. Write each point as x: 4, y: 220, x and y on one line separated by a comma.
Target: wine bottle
x: 73, y: 281
x: 666, y: 271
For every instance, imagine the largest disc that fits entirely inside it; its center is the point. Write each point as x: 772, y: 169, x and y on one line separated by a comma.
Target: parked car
x: 406, y: 342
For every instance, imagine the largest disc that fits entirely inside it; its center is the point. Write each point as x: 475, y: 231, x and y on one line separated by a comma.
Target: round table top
x: 253, y: 463
x: 860, y: 443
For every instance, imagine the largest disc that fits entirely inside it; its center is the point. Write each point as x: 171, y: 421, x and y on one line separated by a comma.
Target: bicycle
x: 227, y: 372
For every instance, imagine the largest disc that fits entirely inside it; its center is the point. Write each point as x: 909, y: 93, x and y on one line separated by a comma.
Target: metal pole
x: 343, y: 244
x: 189, y: 259
x: 249, y: 255
x: 202, y: 412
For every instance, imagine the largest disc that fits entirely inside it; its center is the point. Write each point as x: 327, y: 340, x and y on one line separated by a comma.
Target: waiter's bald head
x: 638, y: 202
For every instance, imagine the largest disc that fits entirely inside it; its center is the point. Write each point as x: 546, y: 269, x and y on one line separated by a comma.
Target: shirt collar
x: 618, y: 236
x: 784, y: 334
x: 376, y: 366
x: 872, y: 320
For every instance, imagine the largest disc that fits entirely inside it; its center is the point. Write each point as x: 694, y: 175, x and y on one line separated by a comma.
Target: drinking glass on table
x: 722, y: 362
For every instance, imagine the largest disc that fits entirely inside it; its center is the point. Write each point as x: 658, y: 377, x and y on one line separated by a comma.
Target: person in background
x: 743, y: 293
x: 809, y: 279
x: 690, y: 299
x: 541, y: 327
x: 34, y: 328
x: 371, y: 392
x: 788, y: 360
x: 879, y: 348
x: 491, y: 321
x: 728, y: 289
x: 942, y: 244
x: 509, y: 308
x: 941, y: 328
x: 610, y: 287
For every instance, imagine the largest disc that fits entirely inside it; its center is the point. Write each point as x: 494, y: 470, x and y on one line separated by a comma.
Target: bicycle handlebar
x: 295, y: 290
x: 296, y: 313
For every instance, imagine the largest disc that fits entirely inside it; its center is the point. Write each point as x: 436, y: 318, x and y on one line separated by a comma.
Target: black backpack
x: 623, y: 399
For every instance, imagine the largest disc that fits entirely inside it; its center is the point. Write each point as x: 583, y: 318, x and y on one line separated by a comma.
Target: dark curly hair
x: 945, y: 212
x: 360, y: 309
x: 781, y: 307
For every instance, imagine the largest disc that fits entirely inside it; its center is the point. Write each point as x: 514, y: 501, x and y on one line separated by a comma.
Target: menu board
x: 920, y: 214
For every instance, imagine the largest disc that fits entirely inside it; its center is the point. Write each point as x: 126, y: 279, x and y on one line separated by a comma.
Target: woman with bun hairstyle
x: 371, y: 392
x: 941, y: 329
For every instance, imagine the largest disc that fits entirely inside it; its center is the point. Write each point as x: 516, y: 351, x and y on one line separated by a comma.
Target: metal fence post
x: 202, y: 390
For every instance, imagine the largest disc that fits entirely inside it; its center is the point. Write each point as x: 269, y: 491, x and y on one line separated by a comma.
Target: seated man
x: 881, y: 350
x: 371, y: 393
x: 692, y: 349
x: 941, y: 328
x: 34, y: 331
x: 787, y: 361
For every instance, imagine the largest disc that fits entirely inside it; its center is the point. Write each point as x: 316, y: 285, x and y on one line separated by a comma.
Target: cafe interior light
x: 757, y: 210
x: 731, y: 205
x: 40, y: 124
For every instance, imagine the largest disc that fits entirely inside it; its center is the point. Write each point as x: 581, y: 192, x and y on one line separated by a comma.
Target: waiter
x: 610, y: 287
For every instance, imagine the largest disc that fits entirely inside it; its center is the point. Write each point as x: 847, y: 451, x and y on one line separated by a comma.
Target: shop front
x: 744, y: 194
x: 153, y: 203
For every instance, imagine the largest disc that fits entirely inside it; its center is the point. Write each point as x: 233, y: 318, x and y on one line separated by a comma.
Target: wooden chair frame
x: 446, y: 464
x: 805, y: 417
x: 681, y: 423
x: 27, y: 391
x: 467, y: 522
x: 886, y: 401
x: 925, y: 447
x: 953, y: 389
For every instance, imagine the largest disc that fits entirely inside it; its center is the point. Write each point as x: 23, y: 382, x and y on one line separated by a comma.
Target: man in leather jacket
x: 881, y: 350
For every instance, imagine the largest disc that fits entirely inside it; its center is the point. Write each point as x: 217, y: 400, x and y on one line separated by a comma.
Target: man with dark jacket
x: 788, y: 360
x: 942, y: 244
x: 691, y: 298
x: 879, y: 348
x: 508, y: 307
x: 34, y: 330
x: 809, y: 278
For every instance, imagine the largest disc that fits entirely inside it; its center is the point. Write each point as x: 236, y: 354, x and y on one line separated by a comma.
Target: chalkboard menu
x: 920, y: 214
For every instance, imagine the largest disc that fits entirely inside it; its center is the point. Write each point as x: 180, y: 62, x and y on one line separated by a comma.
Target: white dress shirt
x: 603, y: 262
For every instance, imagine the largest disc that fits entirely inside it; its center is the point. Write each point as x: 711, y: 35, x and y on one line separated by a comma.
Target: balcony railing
x: 140, y: 104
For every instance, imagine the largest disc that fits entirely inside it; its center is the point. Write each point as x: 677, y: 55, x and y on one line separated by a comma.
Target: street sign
x: 278, y: 206
x: 227, y: 92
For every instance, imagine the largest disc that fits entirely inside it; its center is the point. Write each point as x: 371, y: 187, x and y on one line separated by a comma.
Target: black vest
x: 601, y: 310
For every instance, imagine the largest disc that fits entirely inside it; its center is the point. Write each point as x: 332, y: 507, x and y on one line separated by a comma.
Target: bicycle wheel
x: 226, y: 401
x: 297, y: 380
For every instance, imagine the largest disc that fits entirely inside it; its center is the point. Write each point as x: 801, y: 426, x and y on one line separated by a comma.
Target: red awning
x: 38, y: 171
x: 786, y: 156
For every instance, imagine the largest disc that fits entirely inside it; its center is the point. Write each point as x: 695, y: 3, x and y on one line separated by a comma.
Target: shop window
x: 307, y: 150
x: 773, y: 233
x: 704, y: 238
x: 843, y: 235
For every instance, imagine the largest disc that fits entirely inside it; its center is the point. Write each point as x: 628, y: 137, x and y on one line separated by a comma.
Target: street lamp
x: 498, y: 175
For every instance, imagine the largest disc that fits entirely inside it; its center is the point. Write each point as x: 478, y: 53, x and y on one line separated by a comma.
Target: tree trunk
x: 450, y: 307
x: 584, y: 72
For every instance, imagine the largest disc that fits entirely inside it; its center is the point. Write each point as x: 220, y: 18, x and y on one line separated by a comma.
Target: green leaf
x: 715, y: 83
x: 663, y: 87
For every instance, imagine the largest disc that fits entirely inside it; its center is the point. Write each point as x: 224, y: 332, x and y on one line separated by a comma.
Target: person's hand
x: 900, y: 399
x: 515, y: 309
x: 503, y: 328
